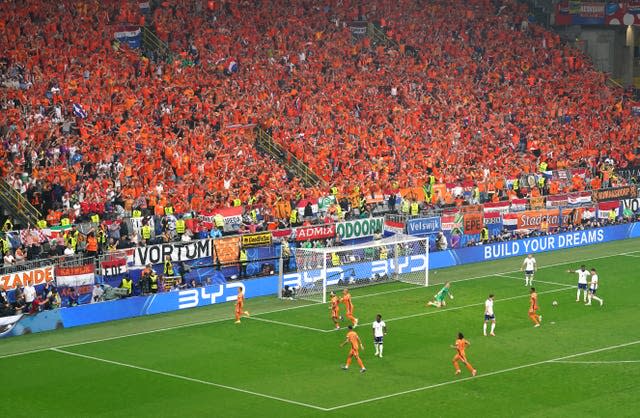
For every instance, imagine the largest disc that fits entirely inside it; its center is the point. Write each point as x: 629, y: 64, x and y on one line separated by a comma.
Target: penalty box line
x: 536, y: 280
x: 481, y: 375
x: 188, y: 379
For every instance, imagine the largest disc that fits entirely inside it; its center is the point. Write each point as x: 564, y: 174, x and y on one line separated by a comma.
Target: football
x: 554, y: 303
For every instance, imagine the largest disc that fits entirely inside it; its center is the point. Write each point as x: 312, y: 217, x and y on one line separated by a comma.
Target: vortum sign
x: 359, y: 228
x: 208, y: 295
x: 546, y: 243
x: 409, y: 264
x: 155, y: 254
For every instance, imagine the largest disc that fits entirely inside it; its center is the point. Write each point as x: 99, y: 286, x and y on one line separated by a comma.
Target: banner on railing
x: 533, y: 219
x: 499, y: 207
x: 232, y: 218
x: 616, y: 193
x: 76, y: 275
x: 452, y: 222
x: 423, y: 226
x: 579, y: 13
x: 316, y: 232
x: 473, y: 223
x: 256, y: 240
x: 177, y: 251
x: 35, y: 276
x: 605, y: 209
x: 226, y: 250
x: 359, y: 228
x: 631, y: 204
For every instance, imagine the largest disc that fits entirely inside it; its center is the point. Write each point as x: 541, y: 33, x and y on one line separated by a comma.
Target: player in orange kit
x: 533, y: 308
x: 348, y: 305
x: 240, y: 305
x: 334, y: 306
x: 460, y: 346
x: 356, y: 345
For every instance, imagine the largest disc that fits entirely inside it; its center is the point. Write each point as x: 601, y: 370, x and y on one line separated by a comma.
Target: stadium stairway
x: 153, y: 47
x: 17, y: 205
x: 266, y: 145
x: 379, y: 37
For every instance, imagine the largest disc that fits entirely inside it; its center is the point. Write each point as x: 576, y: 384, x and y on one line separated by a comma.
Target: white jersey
x: 488, y: 307
x: 529, y: 264
x: 582, y: 276
x: 594, y: 282
x: 378, y: 328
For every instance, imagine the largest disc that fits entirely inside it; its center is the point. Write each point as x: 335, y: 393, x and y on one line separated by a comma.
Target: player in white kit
x: 489, y: 316
x: 583, y: 274
x: 379, y: 331
x: 529, y: 267
x: 593, y: 288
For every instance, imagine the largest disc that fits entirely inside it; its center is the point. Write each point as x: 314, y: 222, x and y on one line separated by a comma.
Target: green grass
x: 285, y: 360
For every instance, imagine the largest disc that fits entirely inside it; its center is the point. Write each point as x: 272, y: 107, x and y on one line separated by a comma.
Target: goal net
x: 319, y: 271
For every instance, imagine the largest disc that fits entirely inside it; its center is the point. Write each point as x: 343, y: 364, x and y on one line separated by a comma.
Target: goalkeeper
x: 439, y: 298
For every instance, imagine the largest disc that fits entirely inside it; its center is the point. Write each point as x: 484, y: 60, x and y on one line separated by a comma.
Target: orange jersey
x: 354, y: 340
x: 335, y: 305
x: 533, y: 302
x: 461, y: 344
x: 240, y: 301
x: 346, y: 299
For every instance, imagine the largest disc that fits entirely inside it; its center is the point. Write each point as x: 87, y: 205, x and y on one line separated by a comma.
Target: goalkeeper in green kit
x: 439, y: 299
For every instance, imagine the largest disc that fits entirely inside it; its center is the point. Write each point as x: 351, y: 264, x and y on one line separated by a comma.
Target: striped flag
x: 79, y: 111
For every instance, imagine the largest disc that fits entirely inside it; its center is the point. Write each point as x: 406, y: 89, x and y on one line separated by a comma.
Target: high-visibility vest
x: 244, y: 258
x: 42, y: 224
x: 168, y: 210
x: 541, y: 181
x: 154, y: 281
x: 415, y: 208
x: 136, y: 213
x: 127, y: 284
x: 146, y: 232
x: 543, y: 166
x: 476, y: 193
x: 6, y: 245
x: 168, y: 268
x: 383, y: 253
x: 484, y: 234
x: 237, y: 202
x: 335, y: 259
x: 8, y: 226
x: 254, y: 215
x: 334, y: 191
x: 405, y: 207
x: 293, y: 216
x: 180, y: 226
x: 65, y: 221
x: 102, y: 236
x: 218, y: 219
x: 95, y: 218
x: 516, y: 184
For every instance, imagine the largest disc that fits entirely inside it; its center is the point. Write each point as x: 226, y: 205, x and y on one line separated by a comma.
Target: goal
x: 319, y: 271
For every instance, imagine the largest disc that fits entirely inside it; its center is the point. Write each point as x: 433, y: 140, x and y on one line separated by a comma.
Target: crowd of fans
x: 468, y: 91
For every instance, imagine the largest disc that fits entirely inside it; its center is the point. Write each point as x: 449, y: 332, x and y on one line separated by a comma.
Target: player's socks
x: 484, y: 329
x: 247, y: 313
x: 380, y: 350
x: 355, y: 322
x: 360, y: 363
x: 596, y: 298
x: 362, y: 370
x: 474, y: 372
x: 539, y: 318
x: 493, y: 327
x: 578, y: 296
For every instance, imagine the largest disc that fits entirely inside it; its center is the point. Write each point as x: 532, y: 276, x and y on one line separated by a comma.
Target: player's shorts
x: 489, y: 317
x: 354, y: 352
x: 439, y: 299
x: 582, y: 286
x: 377, y: 340
x: 528, y: 272
x: 593, y: 291
x: 335, y: 314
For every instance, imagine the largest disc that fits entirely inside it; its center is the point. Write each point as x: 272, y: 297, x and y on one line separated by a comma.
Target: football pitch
x: 285, y: 360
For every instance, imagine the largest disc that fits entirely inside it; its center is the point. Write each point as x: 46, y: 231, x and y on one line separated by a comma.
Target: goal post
x: 319, y: 271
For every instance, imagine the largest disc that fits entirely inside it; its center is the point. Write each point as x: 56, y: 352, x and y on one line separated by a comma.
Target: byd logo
x: 200, y: 296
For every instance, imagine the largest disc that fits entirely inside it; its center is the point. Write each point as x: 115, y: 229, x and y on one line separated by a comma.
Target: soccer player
x: 583, y: 273
x: 460, y: 345
x: 533, y: 308
x: 240, y: 306
x: 356, y: 345
x: 593, y: 288
x: 439, y: 298
x: 489, y: 316
x: 529, y: 267
x: 348, y: 305
x: 335, y: 309
x: 379, y: 331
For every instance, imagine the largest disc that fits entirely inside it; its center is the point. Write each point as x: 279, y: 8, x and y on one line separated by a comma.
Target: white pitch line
x: 451, y: 382
x: 188, y: 379
x: 538, y: 281
x: 192, y: 324
x: 257, y: 318
x: 596, y: 362
x: 631, y: 255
